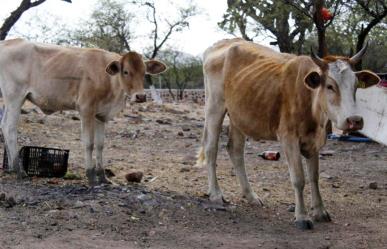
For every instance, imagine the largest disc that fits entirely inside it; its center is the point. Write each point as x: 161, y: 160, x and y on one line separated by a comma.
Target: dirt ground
x: 169, y: 209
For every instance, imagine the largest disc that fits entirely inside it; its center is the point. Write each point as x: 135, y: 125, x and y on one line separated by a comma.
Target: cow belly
x: 256, y: 127
x: 257, y: 116
x: 49, y: 105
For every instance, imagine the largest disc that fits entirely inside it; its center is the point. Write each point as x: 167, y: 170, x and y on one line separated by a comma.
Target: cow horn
x: 357, y: 57
x: 320, y: 62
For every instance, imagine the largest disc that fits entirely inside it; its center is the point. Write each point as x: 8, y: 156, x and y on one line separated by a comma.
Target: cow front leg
x: 88, y: 129
x: 99, y: 143
x: 318, y: 211
x: 9, y: 127
x: 235, y: 148
x: 293, y: 156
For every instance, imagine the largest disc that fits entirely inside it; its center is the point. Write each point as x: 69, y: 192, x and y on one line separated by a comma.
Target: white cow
x: 93, y: 81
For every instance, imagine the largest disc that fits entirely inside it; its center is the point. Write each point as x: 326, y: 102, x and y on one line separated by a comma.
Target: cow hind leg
x: 213, y: 124
x: 235, y: 148
x: 9, y: 127
x: 293, y: 156
x: 99, y: 143
x: 318, y: 211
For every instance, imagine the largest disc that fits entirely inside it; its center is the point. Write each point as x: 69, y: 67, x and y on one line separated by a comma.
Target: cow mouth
x: 351, y: 126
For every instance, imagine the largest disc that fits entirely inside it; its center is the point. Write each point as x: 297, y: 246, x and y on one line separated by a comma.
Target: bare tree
x: 160, y: 36
x: 16, y: 14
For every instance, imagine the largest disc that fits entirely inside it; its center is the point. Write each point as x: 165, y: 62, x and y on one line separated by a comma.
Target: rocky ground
x: 169, y: 208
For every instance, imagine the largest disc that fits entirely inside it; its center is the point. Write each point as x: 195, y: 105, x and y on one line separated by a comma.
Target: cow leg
x: 99, y: 142
x: 292, y: 152
x: 235, y: 148
x: 9, y: 126
x: 214, y: 116
x: 319, y: 213
x: 88, y: 130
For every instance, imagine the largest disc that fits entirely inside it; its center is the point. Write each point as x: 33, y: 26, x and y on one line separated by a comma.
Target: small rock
x: 2, y: 197
x: 192, y: 136
x: 335, y: 185
x: 23, y: 111
x: 185, y: 169
x: 109, y: 173
x: 291, y: 208
x: 180, y: 133
x: 327, y: 152
x: 134, y: 176
x: 186, y: 128
x: 164, y: 122
x: 10, y: 202
x: 79, y: 204
x: 373, y: 185
x: 325, y: 175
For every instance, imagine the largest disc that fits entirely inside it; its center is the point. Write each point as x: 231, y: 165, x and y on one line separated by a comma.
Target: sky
x: 202, y: 33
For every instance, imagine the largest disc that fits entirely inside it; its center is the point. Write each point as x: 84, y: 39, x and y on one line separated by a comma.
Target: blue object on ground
x: 349, y: 138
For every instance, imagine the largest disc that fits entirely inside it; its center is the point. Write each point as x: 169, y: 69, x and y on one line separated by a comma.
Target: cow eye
x: 126, y: 72
x: 330, y: 87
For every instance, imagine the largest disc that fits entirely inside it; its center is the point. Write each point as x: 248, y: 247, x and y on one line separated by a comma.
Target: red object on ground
x: 270, y: 155
x: 326, y: 14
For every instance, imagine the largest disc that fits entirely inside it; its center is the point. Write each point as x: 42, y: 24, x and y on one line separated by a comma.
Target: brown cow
x: 271, y: 95
x: 93, y: 81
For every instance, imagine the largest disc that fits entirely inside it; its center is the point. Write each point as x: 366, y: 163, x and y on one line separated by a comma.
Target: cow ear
x: 113, y: 68
x: 366, y: 79
x: 312, y: 80
x: 155, y: 67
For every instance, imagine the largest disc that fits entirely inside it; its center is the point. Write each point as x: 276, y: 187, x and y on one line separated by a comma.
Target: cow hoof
x: 91, y: 177
x: 253, y: 199
x: 218, y: 199
x: 21, y: 174
x: 102, y: 179
x: 322, y: 217
x: 304, y: 224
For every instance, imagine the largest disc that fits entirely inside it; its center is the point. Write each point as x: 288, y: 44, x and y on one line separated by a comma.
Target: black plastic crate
x: 40, y: 161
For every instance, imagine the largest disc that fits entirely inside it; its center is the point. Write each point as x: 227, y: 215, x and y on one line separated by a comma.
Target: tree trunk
x: 148, y: 80
x: 15, y: 16
x: 319, y: 22
x: 363, y: 35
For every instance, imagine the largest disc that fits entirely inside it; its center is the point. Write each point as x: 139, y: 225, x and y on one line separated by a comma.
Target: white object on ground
x: 155, y: 95
x: 372, y: 106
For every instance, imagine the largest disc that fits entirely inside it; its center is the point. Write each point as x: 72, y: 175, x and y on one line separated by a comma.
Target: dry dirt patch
x: 169, y: 208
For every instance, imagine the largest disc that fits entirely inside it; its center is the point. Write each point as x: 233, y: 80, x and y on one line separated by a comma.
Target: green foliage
x: 109, y: 27
x: 72, y: 176
x: 185, y: 71
x: 253, y: 18
x: 342, y: 37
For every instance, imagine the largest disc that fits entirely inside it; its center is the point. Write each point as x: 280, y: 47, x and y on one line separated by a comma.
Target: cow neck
x: 319, y: 110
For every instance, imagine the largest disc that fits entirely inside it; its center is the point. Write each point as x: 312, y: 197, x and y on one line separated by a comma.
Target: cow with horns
x: 277, y: 96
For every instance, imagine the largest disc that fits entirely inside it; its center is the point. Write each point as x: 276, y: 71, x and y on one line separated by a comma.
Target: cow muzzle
x: 140, y: 98
x: 355, y: 123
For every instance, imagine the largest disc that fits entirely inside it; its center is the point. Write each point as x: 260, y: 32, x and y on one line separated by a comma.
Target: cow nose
x: 355, y: 122
x: 140, y: 98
